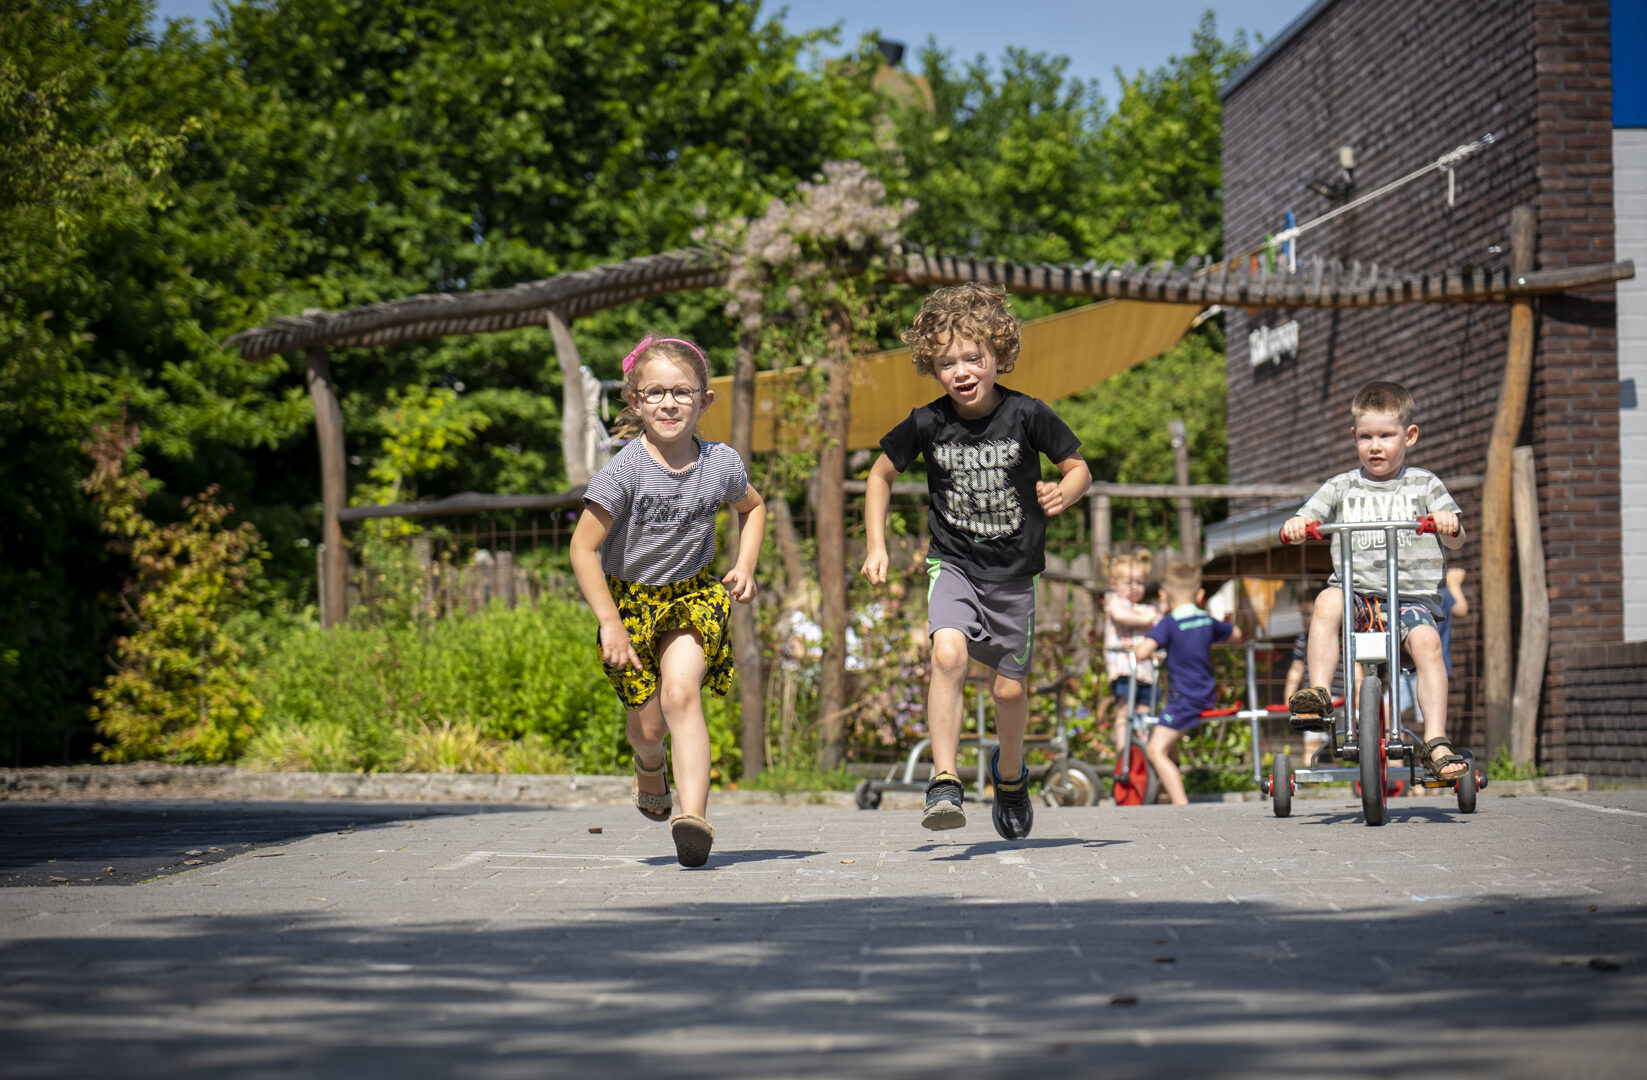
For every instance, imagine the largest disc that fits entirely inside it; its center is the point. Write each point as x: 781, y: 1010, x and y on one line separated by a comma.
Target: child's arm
x: 877, y: 497
x: 1320, y: 507
x: 1074, y: 479
x: 593, y: 525
x: 1123, y: 612
x: 740, y: 580
x: 1449, y: 528
x: 1145, y: 649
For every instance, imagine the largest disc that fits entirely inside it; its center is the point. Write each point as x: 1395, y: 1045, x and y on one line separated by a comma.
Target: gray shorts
x: 997, y: 617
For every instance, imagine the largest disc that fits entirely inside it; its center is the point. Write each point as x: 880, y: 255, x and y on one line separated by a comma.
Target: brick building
x: 1400, y: 83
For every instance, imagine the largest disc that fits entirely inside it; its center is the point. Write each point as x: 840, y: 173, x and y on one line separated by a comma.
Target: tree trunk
x: 573, y: 430
x: 834, y: 417
x: 1535, y: 610
x: 334, y: 487
x: 1496, y: 675
x: 746, y: 640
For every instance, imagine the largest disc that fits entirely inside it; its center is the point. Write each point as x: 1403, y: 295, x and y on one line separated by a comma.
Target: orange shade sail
x: 1062, y: 355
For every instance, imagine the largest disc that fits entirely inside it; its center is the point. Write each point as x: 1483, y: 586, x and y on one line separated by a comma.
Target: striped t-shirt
x: 663, y: 522
x: 1422, y: 568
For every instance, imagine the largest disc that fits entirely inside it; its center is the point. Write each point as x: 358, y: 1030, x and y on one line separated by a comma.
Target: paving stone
x: 500, y: 942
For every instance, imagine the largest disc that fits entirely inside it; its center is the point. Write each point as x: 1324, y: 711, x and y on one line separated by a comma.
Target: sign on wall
x: 1273, y: 344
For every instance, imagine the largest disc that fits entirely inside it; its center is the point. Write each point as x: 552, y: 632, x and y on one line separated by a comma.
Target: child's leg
x: 1423, y: 644
x: 944, y: 707
x: 1011, y: 716
x: 1325, y: 630
x: 645, y: 728
x: 681, y: 668
x: 1159, y: 751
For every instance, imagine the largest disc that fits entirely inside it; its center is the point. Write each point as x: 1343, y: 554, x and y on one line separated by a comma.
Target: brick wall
x: 1403, y: 82
x: 1606, y: 696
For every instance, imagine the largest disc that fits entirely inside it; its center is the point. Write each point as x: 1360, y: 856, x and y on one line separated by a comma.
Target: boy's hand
x: 741, y: 584
x: 615, y: 647
x: 874, y: 567
x: 1446, y: 522
x: 1051, y: 497
x: 1294, y: 528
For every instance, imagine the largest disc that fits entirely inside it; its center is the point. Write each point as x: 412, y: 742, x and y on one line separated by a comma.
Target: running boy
x: 1187, y: 634
x: 982, y: 444
x: 1385, y: 488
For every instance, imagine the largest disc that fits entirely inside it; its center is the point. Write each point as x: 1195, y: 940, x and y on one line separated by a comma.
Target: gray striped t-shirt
x: 663, y: 523
x: 1349, y: 497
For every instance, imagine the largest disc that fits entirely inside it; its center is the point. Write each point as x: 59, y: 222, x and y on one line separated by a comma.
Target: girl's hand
x: 741, y: 584
x: 874, y: 568
x: 615, y: 647
x: 1051, y: 497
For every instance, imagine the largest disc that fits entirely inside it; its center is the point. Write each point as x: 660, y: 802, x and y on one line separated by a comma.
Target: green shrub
x: 502, y: 690
x: 1502, y: 768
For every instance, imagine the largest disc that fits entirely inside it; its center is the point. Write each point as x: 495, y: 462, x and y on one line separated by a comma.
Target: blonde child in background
x: 641, y: 552
x: 1127, y: 618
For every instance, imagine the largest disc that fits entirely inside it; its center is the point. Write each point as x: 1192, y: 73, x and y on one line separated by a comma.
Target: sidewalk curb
x: 226, y: 782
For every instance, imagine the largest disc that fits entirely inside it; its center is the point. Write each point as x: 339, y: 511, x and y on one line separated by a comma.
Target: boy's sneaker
x: 1311, y: 709
x: 1012, y: 813
x: 943, y: 803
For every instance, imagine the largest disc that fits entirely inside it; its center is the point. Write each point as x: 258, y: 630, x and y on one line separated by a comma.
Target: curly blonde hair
x: 975, y: 311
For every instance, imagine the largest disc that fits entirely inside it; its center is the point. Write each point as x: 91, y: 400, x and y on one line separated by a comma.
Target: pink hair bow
x: 647, y: 342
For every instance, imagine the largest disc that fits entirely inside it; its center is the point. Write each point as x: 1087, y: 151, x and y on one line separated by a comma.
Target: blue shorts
x: 1147, y: 696
x: 1181, y: 715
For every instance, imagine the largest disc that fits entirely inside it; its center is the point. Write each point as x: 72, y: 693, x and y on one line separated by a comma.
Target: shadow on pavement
x: 869, y: 986
x: 57, y: 843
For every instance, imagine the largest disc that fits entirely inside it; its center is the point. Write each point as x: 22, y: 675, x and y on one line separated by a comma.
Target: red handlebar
x: 1312, y: 531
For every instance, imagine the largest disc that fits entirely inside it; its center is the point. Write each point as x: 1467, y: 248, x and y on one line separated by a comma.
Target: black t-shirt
x: 981, y: 477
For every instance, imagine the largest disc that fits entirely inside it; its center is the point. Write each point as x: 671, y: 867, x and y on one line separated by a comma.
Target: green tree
x: 179, y: 691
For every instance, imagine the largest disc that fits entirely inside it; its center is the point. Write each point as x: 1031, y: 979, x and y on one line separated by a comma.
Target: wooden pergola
x: 555, y: 302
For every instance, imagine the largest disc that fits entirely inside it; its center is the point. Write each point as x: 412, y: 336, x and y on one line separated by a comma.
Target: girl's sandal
x: 1436, y: 762
x: 655, y: 807
x: 693, y: 838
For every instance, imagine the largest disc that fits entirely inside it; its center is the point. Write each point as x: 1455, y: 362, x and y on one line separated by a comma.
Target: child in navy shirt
x: 1187, y: 634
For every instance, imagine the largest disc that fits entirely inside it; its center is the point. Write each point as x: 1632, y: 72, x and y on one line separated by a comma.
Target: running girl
x: 641, y: 553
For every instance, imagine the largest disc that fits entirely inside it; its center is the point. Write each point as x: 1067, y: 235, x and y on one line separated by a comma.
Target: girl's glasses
x: 683, y: 395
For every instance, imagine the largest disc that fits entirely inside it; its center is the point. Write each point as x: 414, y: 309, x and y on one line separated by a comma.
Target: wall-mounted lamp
x: 1340, y: 186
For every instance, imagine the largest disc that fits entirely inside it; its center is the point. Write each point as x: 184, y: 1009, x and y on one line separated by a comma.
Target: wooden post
x: 503, y: 577
x: 573, y: 429
x: 833, y: 425
x: 1496, y: 676
x: 334, y: 486
x: 424, y: 552
x: 746, y: 641
x: 1099, y: 506
x: 1188, y: 544
x: 1535, y: 609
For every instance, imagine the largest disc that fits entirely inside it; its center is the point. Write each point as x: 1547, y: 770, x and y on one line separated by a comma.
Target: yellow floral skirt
x: 699, y: 603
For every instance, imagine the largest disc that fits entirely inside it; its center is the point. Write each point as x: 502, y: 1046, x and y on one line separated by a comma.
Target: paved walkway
x: 510, y: 942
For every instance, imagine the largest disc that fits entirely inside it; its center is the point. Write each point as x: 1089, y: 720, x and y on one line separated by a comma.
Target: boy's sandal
x: 693, y: 838
x: 655, y: 807
x: 1436, y: 762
